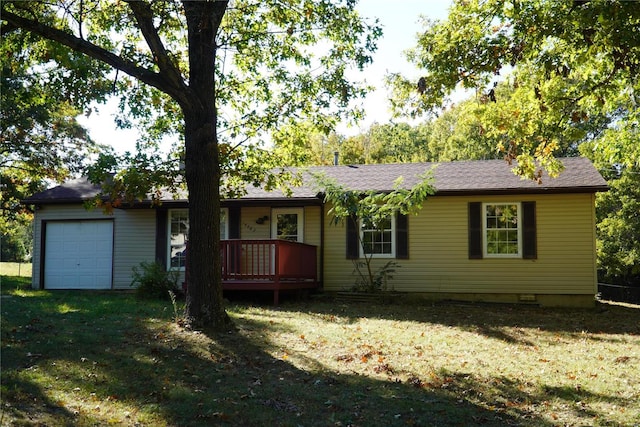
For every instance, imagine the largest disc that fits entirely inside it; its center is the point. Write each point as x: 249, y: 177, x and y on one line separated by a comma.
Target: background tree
x: 618, y: 228
x: 40, y: 139
x: 218, y: 76
x: 305, y: 143
x: 567, y: 62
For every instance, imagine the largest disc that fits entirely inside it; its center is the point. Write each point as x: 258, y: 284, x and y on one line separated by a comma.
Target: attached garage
x: 78, y: 254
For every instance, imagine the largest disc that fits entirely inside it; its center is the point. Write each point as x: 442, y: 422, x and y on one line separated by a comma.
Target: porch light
x: 262, y: 219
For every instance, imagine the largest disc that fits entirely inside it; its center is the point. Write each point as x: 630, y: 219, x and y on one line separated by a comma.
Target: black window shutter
x: 402, y: 236
x: 475, y: 230
x: 234, y: 222
x: 353, y: 247
x: 529, y: 233
x: 162, y: 216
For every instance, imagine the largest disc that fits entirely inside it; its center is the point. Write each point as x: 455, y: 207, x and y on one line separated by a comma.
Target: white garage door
x: 78, y: 255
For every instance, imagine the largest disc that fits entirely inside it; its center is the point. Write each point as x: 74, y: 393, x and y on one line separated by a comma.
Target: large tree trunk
x: 202, y: 162
x: 202, y: 167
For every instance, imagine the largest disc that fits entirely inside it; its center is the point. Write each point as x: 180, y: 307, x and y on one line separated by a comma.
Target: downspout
x: 322, y: 246
x: 594, y: 237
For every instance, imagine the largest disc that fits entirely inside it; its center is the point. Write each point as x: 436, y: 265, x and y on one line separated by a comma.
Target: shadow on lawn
x: 125, y: 356
x: 489, y: 319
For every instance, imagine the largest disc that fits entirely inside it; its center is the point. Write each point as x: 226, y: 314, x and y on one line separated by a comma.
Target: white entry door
x: 78, y: 255
x: 288, y: 224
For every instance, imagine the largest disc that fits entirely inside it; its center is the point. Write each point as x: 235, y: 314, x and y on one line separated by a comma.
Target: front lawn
x: 90, y: 358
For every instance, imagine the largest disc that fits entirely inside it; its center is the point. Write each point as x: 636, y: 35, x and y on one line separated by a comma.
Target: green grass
x: 90, y: 358
x: 15, y: 269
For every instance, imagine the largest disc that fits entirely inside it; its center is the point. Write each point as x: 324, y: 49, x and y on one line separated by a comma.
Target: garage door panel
x: 55, y: 281
x: 86, y: 260
x: 68, y: 264
x: 87, y: 246
x: 70, y: 248
x: 103, y: 263
x: 79, y: 255
x: 55, y: 248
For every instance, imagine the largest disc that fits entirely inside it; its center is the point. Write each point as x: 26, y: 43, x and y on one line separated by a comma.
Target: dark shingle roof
x: 450, y: 178
x: 73, y: 191
x: 467, y: 177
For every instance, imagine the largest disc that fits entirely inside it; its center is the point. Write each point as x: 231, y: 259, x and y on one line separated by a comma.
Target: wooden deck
x: 268, y: 265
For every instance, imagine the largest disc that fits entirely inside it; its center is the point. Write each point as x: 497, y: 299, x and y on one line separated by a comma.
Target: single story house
x: 485, y: 235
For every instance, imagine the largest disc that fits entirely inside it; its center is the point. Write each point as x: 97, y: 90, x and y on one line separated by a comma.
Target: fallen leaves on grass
x: 622, y: 359
x: 280, y: 405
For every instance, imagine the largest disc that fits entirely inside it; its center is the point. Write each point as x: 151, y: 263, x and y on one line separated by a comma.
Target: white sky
x: 400, y: 23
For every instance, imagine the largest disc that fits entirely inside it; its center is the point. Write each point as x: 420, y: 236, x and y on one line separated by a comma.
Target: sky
x: 400, y: 21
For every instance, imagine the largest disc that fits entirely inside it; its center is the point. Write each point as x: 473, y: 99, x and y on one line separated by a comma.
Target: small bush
x: 154, y: 281
x: 378, y: 281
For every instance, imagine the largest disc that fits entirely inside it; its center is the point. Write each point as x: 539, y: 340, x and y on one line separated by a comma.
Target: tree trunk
x: 202, y: 168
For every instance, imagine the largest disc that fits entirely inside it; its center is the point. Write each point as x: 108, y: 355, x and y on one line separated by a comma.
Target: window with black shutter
x: 502, y: 230
x: 402, y: 236
x: 475, y: 230
x: 353, y: 245
x: 390, y: 239
x: 529, y: 233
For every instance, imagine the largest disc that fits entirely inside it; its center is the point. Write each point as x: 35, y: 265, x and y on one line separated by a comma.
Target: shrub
x: 154, y: 281
x: 376, y: 282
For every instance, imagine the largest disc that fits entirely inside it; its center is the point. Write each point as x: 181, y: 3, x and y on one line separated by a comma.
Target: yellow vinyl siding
x: 134, y: 237
x: 313, y: 232
x: 438, y: 251
x: 312, y: 224
x: 249, y: 229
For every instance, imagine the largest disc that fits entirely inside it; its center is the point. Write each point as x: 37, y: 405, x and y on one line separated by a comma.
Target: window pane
x: 179, y: 234
x: 178, y: 238
x: 501, y: 232
x: 287, y: 226
x: 223, y: 224
x: 378, y: 240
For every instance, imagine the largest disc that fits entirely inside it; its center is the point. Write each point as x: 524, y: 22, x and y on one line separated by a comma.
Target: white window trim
x: 168, y: 249
x: 223, y: 227
x: 393, y: 241
x: 484, y: 230
x: 274, y: 221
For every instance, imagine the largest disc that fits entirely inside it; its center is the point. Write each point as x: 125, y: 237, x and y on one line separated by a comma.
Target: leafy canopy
x: 568, y: 64
x: 217, y: 77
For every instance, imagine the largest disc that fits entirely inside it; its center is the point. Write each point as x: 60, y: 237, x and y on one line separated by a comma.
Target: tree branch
x: 7, y: 28
x: 157, y: 80
x: 144, y: 17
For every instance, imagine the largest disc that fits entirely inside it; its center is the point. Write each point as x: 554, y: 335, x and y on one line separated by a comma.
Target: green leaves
x: 373, y: 207
x: 219, y: 77
x: 289, y: 61
x: 565, y: 73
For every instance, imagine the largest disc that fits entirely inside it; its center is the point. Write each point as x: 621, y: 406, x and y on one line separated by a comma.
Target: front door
x: 287, y: 224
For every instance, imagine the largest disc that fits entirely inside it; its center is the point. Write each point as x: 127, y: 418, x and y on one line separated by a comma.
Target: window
x: 179, y: 235
x: 502, y: 230
x: 287, y: 224
x: 224, y: 224
x: 378, y: 242
x: 390, y: 242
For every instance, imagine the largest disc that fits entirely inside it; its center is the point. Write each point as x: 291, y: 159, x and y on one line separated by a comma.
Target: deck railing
x: 268, y: 260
